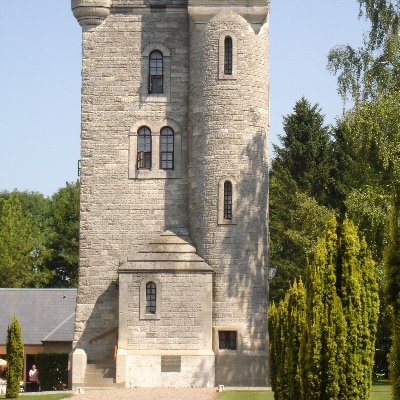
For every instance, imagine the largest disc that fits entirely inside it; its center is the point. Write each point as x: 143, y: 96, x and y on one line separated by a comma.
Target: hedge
x: 53, y: 371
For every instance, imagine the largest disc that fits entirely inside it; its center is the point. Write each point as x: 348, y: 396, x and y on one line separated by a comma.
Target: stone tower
x: 174, y: 192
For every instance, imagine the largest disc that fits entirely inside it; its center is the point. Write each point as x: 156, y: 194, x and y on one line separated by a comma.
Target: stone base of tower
x: 158, y: 370
x: 241, y: 370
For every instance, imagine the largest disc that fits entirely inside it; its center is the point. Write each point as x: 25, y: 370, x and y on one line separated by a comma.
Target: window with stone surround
x: 227, y: 201
x: 155, y: 85
x: 150, y: 298
x: 228, y: 56
x: 167, y: 148
x: 227, y: 340
x: 144, y: 148
x: 156, y: 72
x: 155, y: 147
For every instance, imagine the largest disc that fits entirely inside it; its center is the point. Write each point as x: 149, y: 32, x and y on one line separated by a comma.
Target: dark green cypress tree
x: 322, y: 340
x: 349, y: 283
x: 276, y: 346
x: 392, y: 292
x: 15, y: 358
x: 370, y: 311
x: 296, y: 310
x: 286, y: 325
x: 324, y: 336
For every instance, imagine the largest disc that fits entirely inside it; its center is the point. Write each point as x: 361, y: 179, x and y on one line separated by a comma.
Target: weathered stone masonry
x: 168, y: 226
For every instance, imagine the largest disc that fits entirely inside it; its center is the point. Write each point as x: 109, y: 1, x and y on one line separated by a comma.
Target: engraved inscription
x: 170, y: 363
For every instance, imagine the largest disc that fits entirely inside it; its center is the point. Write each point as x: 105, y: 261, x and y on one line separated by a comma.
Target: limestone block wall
x: 145, y: 371
x: 184, y: 320
x: 119, y: 213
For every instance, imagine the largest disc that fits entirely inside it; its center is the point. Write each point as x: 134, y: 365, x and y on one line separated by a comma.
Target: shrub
x: 15, y: 358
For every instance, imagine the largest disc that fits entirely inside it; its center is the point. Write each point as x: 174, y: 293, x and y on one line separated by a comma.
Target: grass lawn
x: 378, y: 392
x: 55, y: 396
x: 381, y: 392
x: 246, y: 395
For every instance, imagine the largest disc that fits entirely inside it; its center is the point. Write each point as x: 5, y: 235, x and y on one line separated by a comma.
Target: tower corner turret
x: 90, y: 13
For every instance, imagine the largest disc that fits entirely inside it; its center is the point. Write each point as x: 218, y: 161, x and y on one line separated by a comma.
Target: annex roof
x: 172, y: 250
x: 44, y: 314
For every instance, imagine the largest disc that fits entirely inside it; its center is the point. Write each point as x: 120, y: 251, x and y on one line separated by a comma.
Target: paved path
x: 149, y: 394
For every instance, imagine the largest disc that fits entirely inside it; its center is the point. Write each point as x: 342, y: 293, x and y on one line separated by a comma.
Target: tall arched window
x: 144, y: 148
x: 167, y: 148
x: 151, y: 297
x: 156, y: 72
x: 228, y: 200
x: 228, y: 47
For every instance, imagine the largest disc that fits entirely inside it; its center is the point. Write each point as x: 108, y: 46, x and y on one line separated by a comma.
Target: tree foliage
x: 321, y: 354
x: 374, y: 68
x: 301, y: 185
x: 39, y: 238
x: 22, y: 248
x: 15, y: 358
x: 392, y: 292
x: 286, y: 325
x: 64, y: 239
x: 322, y: 338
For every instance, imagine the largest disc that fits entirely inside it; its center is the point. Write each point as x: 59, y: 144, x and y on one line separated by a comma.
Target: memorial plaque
x: 170, y: 363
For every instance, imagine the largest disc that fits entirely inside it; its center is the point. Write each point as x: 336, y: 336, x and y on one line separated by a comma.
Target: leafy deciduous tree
x: 21, y: 248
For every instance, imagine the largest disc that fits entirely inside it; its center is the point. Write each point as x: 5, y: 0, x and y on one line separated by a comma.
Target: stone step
x: 100, y: 374
x: 110, y: 386
x: 102, y: 366
x: 93, y: 381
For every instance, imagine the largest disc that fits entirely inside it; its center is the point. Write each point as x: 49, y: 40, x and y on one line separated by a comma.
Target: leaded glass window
x: 144, y: 148
x: 227, y: 340
x: 151, y: 297
x: 167, y: 148
x: 228, y: 56
x: 227, y: 200
x: 156, y: 72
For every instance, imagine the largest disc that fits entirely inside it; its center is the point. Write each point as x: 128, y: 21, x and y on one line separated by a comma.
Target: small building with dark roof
x: 46, y: 316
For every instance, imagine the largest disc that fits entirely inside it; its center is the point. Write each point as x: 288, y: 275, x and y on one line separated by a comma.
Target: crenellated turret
x: 90, y: 13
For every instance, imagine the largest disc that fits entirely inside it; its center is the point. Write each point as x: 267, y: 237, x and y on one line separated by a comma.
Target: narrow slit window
x: 144, y: 148
x: 227, y: 340
x: 156, y: 72
x: 228, y: 200
x: 151, y: 297
x: 167, y: 148
x: 228, y: 56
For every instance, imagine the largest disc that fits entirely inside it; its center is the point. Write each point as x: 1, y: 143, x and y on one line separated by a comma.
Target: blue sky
x: 40, y: 82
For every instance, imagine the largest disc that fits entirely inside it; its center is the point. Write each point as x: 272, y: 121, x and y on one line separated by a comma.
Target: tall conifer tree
x: 338, y: 326
x: 392, y: 291
x: 286, y: 325
x: 324, y: 336
x: 302, y: 187
x: 15, y: 358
